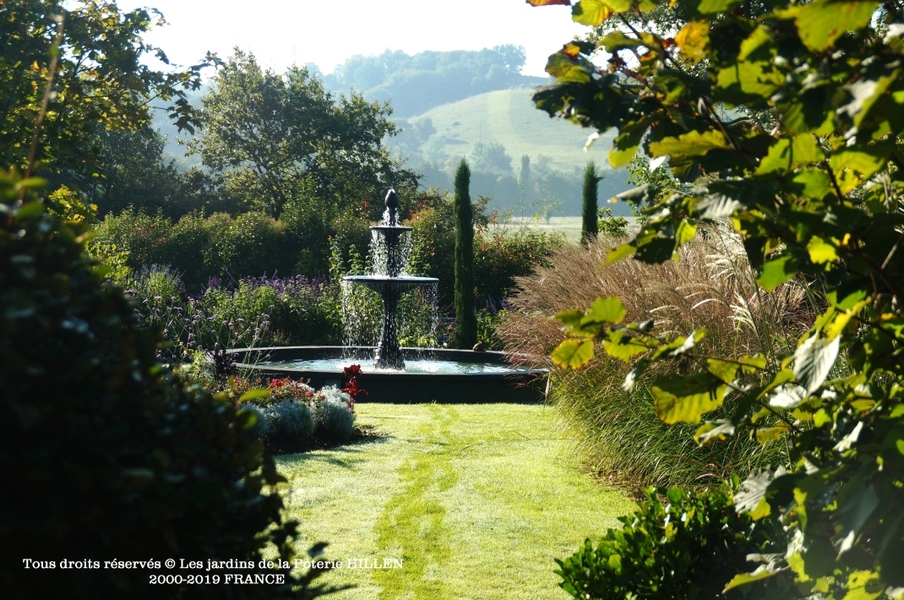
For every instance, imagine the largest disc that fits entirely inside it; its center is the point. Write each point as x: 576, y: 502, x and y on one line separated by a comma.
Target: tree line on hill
x: 416, y: 83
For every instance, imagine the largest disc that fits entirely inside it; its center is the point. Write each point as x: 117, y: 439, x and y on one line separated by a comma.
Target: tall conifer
x: 589, y: 207
x: 465, y: 316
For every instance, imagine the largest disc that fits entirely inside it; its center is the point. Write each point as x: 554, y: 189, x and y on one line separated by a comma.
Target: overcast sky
x: 326, y: 32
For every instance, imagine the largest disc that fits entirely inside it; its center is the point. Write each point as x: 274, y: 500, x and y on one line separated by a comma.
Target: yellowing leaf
x: 548, y: 2
x: 843, y: 319
x: 605, y: 310
x: 693, y: 143
x: 623, y: 347
x: 771, y: 433
x: 591, y: 12
x: 821, y: 251
x: 693, y: 40
x: 852, y: 167
x: 573, y: 353
x: 680, y: 399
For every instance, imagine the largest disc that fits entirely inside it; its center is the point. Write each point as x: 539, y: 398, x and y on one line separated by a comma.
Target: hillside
x: 510, y: 118
x: 507, y: 122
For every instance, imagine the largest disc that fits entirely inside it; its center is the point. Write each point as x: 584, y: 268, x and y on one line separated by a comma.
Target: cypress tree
x: 589, y: 208
x: 465, y: 316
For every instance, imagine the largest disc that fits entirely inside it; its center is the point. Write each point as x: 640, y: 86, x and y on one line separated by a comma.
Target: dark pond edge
x: 524, y: 386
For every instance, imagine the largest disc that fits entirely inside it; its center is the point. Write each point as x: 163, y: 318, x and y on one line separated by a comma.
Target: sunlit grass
x: 475, y: 500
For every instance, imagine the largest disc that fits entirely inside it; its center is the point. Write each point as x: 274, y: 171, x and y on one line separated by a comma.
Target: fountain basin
x: 384, y: 283
x: 431, y: 375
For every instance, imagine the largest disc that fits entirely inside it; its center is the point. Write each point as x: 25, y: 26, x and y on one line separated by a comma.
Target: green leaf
x: 624, y: 147
x: 853, y: 166
x: 751, y: 496
x: 752, y: 78
x: 29, y: 210
x: 570, y: 318
x: 573, y: 353
x: 569, y: 69
x: 623, y: 347
x: 617, y: 40
x: 605, y: 310
x: 813, y: 360
x: 822, y: 22
x: 620, y: 252
x: 680, y: 399
x: 821, y: 251
x: 787, y: 154
x: 709, y: 7
x: 693, y: 143
x: 777, y: 271
x: 253, y: 395
x: 679, y: 345
x: 591, y: 12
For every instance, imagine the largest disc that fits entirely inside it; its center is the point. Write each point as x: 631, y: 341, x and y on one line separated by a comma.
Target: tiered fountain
x: 390, y: 373
x: 390, y: 281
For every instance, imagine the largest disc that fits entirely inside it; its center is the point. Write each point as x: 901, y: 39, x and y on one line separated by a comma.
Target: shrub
x: 689, y: 548
x: 261, y: 427
x: 116, y: 458
x: 333, y: 414
x: 291, y: 422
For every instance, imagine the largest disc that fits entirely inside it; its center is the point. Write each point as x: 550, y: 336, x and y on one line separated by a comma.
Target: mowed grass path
x: 475, y: 501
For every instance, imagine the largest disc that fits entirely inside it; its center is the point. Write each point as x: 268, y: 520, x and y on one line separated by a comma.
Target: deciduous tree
x: 269, y: 134
x: 818, y: 195
x: 102, y: 81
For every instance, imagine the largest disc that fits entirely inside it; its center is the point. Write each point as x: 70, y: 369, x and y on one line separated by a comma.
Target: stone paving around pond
x: 453, y: 501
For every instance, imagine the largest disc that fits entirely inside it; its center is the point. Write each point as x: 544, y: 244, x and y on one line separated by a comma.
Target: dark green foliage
x: 688, y: 548
x: 465, y: 316
x: 113, y: 456
x: 220, y: 245
x: 590, y: 203
x: 807, y: 167
x: 276, y: 137
x: 501, y: 253
x: 253, y: 312
x: 102, y: 81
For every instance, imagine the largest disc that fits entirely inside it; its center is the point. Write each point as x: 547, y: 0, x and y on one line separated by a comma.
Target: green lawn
x: 471, y: 501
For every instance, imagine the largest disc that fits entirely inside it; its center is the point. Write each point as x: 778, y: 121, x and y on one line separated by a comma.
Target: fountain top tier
x: 391, y: 281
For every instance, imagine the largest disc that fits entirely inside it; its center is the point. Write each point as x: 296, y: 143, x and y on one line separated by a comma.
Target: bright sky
x: 326, y: 32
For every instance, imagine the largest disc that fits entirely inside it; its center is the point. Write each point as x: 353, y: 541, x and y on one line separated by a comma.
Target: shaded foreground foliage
x: 116, y: 458
x: 807, y: 166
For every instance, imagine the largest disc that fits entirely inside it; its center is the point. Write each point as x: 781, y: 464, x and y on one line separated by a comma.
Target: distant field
x: 570, y: 227
x: 510, y: 118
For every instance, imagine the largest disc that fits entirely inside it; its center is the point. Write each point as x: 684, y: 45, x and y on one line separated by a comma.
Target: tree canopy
x: 274, y: 137
x: 785, y: 118
x: 95, y: 53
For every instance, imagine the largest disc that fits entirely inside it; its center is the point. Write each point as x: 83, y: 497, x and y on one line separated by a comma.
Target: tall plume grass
x: 711, y: 286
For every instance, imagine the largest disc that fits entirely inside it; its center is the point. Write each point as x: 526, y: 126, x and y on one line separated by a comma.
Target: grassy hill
x: 510, y: 118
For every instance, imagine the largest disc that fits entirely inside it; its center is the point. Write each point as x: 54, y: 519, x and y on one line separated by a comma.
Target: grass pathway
x: 462, y: 501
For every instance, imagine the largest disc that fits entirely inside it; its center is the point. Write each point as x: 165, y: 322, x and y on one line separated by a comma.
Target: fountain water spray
x: 390, y: 281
